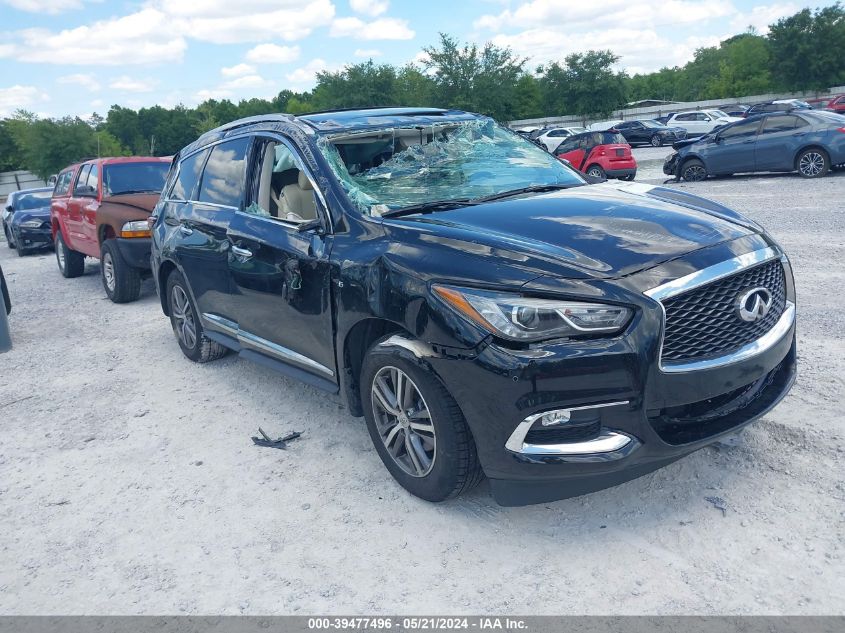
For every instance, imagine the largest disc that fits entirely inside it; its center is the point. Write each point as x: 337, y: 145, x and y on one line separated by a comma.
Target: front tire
x: 9, y: 241
x: 416, y: 426
x: 186, y: 323
x: 812, y: 163
x: 121, y: 281
x: 71, y: 264
x: 693, y: 170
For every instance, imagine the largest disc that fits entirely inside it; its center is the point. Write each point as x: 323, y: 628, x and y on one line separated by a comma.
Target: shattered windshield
x: 393, y: 168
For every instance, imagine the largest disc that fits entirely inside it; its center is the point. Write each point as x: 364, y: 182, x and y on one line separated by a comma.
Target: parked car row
x: 462, y: 289
x: 807, y: 141
x: 26, y: 219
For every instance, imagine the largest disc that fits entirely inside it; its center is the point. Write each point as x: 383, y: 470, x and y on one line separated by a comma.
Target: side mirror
x: 311, y: 225
x: 9, y: 208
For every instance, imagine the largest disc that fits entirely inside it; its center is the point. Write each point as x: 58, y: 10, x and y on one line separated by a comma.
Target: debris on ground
x: 719, y: 504
x: 281, y: 442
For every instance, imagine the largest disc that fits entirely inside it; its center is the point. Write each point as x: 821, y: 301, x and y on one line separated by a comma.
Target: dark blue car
x: 807, y: 141
x: 26, y: 219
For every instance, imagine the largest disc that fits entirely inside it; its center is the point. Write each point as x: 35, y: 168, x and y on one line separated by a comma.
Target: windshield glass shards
x: 390, y: 169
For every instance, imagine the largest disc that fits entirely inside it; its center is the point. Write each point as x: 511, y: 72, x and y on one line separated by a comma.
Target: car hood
x: 598, y: 231
x: 143, y: 201
x: 41, y: 213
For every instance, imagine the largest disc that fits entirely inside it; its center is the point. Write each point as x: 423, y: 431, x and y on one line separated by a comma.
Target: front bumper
x: 32, y: 238
x: 135, y: 251
x: 644, y: 417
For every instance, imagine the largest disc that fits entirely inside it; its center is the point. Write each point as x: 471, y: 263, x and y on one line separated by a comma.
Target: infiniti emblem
x: 752, y: 305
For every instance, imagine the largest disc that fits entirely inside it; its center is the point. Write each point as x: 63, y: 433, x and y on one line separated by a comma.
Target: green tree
x: 594, y: 88
x: 808, y: 49
x: 472, y: 78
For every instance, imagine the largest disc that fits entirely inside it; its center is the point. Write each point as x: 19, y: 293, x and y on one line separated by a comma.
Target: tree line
x: 802, y: 52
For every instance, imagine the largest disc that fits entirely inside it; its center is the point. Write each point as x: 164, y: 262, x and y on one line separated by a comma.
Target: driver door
x: 732, y: 149
x: 279, y: 262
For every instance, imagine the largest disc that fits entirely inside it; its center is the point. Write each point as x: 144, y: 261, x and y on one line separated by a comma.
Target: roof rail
x: 261, y: 118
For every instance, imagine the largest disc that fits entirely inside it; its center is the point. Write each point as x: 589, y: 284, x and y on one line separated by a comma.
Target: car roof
x: 118, y: 160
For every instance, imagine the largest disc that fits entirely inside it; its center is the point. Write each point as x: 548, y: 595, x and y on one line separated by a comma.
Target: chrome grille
x: 703, y: 322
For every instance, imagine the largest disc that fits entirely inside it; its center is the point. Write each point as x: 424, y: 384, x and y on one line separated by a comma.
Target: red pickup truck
x: 99, y: 209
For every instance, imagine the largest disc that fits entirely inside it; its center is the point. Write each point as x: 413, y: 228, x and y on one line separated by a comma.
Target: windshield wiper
x: 531, y: 189
x: 422, y: 207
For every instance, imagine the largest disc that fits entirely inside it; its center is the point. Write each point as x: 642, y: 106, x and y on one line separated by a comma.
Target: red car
x: 99, y: 209
x: 599, y: 154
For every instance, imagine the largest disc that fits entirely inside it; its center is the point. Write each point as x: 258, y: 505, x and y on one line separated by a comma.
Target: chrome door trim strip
x: 711, y: 273
x: 516, y: 442
x: 762, y: 344
x: 263, y: 345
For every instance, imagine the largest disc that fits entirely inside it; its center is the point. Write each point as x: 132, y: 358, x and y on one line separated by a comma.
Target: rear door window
x: 225, y: 174
x: 63, y: 183
x: 190, y: 169
x: 781, y: 123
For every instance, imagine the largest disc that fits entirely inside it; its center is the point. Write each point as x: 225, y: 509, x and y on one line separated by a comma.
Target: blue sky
x: 75, y: 57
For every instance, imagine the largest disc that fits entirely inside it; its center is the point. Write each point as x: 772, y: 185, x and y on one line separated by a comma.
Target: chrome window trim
x: 216, y: 322
x: 602, y: 444
x: 708, y: 275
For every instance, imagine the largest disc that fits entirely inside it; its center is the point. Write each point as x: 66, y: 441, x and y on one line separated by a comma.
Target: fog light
x: 553, y: 418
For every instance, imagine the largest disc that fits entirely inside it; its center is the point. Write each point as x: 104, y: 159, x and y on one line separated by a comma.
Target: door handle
x: 241, y: 252
x: 185, y: 230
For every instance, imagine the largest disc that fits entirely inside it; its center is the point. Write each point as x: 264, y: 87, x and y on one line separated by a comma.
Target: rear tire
x: 121, y: 281
x: 186, y: 323
x: 656, y: 141
x: 595, y: 171
x: 812, y: 163
x: 71, y: 263
x: 693, y: 170
x: 435, y: 460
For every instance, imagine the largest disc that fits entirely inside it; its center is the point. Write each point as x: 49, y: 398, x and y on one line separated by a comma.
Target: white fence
x: 652, y: 112
x: 16, y: 180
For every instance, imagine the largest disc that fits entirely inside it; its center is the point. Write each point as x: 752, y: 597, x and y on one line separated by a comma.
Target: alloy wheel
x: 183, y: 317
x: 811, y: 164
x: 403, y: 421
x: 108, y: 271
x: 656, y: 141
x: 594, y: 172
x: 695, y: 173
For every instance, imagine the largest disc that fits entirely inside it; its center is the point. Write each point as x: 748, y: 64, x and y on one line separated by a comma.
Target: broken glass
x: 393, y: 168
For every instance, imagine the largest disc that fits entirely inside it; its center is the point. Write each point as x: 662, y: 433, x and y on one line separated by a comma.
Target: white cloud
x: 87, y: 81
x: 237, y: 70
x: 368, y: 52
x: 98, y: 103
x: 307, y: 75
x: 614, y: 13
x: 369, y: 7
x: 145, y: 37
x: 381, y: 29
x: 760, y: 17
x: 248, y: 81
x: 272, y: 54
x: 17, y: 96
x: 44, y: 6
x: 640, y: 50
x: 128, y: 84
x: 226, y: 22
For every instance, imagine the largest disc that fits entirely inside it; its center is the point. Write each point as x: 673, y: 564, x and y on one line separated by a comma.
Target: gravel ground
x: 129, y: 484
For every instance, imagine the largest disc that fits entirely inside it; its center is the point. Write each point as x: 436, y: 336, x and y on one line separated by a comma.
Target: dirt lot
x: 129, y: 484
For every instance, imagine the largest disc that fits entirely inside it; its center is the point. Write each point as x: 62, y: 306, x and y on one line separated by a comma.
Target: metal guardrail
x: 16, y: 180
x: 651, y: 112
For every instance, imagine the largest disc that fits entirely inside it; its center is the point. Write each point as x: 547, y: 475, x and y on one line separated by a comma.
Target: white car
x: 700, y: 122
x: 601, y: 126
x: 555, y: 136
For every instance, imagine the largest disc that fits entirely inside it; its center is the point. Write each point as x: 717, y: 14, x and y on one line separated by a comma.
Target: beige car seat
x: 296, y: 201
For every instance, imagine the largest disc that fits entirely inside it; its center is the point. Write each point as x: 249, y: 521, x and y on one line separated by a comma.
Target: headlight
x: 137, y: 228
x: 525, y: 319
x: 32, y: 224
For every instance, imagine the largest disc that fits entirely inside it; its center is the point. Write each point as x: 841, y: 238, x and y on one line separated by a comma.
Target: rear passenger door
x: 78, y: 197
x: 88, y: 213
x: 198, y: 212
x: 779, y: 138
x: 279, y: 262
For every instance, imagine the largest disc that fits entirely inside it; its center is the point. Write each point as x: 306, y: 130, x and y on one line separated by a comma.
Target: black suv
x: 482, y: 306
